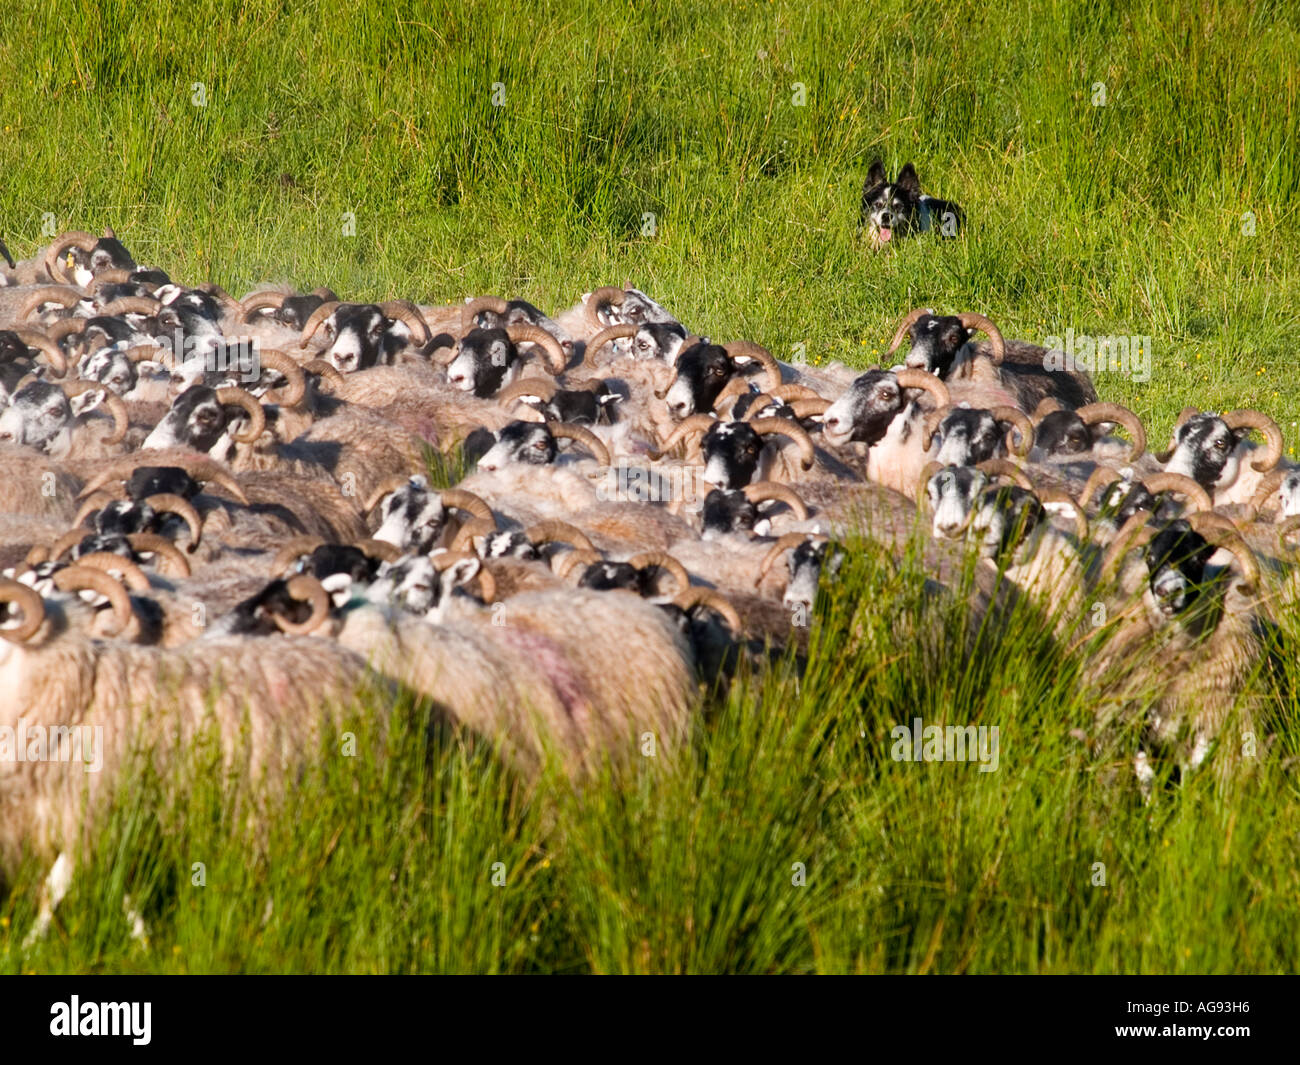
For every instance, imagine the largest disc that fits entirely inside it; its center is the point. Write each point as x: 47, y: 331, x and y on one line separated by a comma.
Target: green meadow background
x: 1126, y: 168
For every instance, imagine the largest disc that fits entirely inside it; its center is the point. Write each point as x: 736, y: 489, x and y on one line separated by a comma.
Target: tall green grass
x: 1128, y: 217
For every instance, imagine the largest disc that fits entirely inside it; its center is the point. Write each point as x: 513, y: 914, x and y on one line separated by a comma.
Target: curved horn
x: 762, y: 491
x: 923, y: 481
x: 1221, y: 532
x: 79, y: 578
x: 460, y: 499
x: 542, y: 387
x: 140, y: 352
x: 90, y: 506
x: 66, y: 543
x: 554, y: 531
x: 305, y: 589
x: 64, y: 296
x: 145, y: 305
x: 977, y: 321
x: 1284, y: 531
x: 790, y: 393
x: 29, y: 602
x: 169, y: 503
x: 380, y: 549
x: 1055, y: 495
x: 55, y: 252
x: 469, y: 311
x: 315, y: 320
x: 107, y: 562
x: 1253, y: 419
x: 1101, y: 477
x: 598, y: 298
x: 527, y: 333
x: 1047, y: 405
x: 386, y: 487
x: 293, y: 550
x: 585, y: 437
x: 931, y: 423
x: 734, y: 388
x: 747, y: 349
x: 408, y: 312
x: 260, y: 301
x: 296, y: 384
x: 1269, y: 485
x: 1004, y: 468
x: 1185, y: 415
x: 567, y: 562
x: 46, y: 346
x: 163, y: 549
x: 809, y: 408
x: 325, y: 372
x: 1133, y: 533
x: 784, y: 544
x: 665, y: 562
x: 910, y: 319
x: 689, y: 426
x: 112, y: 401
x: 1092, y: 413
x: 487, y: 586
x: 690, y: 598
x: 207, y: 471
x: 604, y: 336
x: 1196, y: 496
x: 795, y: 431
x: 1020, y: 420
x: 926, y: 381
x: 464, y: 538
x: 237, y: 397
x: 223, y: 297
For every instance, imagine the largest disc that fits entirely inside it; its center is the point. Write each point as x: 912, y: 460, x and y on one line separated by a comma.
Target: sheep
x: 1214, y: 451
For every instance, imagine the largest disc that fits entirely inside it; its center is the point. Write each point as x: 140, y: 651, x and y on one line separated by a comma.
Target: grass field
x: 1126, y: 169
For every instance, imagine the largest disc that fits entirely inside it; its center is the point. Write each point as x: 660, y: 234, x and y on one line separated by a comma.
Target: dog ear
x: 876, y: 175
x: 908, y: 181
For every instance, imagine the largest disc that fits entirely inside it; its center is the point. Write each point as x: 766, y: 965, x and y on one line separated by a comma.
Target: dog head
x: 898, y: 208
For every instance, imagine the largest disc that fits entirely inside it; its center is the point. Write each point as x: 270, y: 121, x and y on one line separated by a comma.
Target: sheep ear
x: 908, y: 181
x: 876, y: 175
x: 459, y: 573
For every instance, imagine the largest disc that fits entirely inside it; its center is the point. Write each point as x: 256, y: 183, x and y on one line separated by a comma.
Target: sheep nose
x: 680, y: 409
x: 831, y: 423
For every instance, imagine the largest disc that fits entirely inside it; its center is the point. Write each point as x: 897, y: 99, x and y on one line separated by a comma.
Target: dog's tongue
x: 886, y: 233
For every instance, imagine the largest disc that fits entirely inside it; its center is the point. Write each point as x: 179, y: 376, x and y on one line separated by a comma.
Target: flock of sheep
x: 218, y: 514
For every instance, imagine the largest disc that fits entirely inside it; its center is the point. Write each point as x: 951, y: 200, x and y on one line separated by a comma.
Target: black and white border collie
x: 893, y: 209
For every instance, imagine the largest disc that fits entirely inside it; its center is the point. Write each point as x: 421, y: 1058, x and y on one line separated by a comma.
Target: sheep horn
x: 206, y: 470
x: 469, y: 311
x: 977, y: 321
x: 926, y: 381
x: 809, y: 408
x: 65, y: 327
x: 761, y: 400
x: 1047, y: 405
x: 47, y: 347
x: 568, y: 562
x: 747, y: 349
x: 170, y: 503
x: 1101, y: 477
x: 90, y: 506
x: 795, y: 431
x: 1021, y: 422
x: 598, y: 298
x: 735, y: 387
x: 131, y: 574
x: 690, y: 598
x: 1195, y: 495
x: 260, y: 301
x: 923, y: 481
x: 910, y: 319
x: 1005, y: 468
x: 1219, y: 531
x: 1133, y: 533
x: 790, y: 393
x: 487, y: 586
x: 464, y: 538
x: 408, y: 312
x: 62, y: 295
x: 114, y: 403
x: 784, y: 544
x: 1184, y: 416
x: 140, y: 352
x: 54, y: 253
x: 163, y: 549
x: 460, y: 499
x: 585, y: 437
x: 1253, y: 419
x: 1093, y: 413
x: 555, y: 531
x: 1284, y: 531
x: 610, y: 332
x: 385, y: 487
x: 296, y: 384
x: 27, y: 600
x: 380, y: 549
x: 325, y: 372
x: 1269, y: 485
x: 1055, y: 495
x: 931, y: 423
x: 305, y: 589
x: 232, y: 305
x: 78, y: 578
x: 66, y: 543
x: 313, y: 323
x: 689, y: 426
x: 237, y: 397
x: 293, y: 550
x: 762, y: 491
x: 146, y: 305
x: 542, y: 387
x: 527, y: 333
x: 664, y: 561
